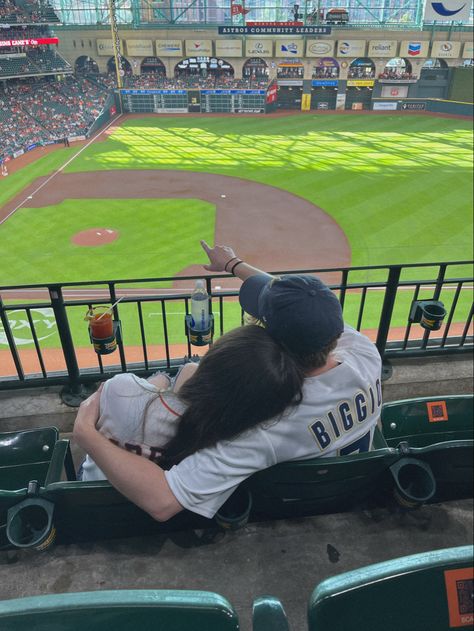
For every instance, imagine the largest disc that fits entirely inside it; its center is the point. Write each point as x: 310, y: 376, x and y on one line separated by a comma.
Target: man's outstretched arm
x: 222, y: 258
x: 140, y: 480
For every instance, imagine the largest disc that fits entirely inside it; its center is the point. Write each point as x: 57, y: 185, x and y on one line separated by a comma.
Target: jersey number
x: 358, y: 446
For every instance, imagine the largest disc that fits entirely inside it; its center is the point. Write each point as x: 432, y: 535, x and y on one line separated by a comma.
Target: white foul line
x: 60, y: 169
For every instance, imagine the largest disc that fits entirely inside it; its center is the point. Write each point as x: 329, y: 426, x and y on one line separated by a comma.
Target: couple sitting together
x: 298, y: 385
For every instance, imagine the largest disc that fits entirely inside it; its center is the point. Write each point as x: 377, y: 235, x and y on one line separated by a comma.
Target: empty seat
x: 423, y: 592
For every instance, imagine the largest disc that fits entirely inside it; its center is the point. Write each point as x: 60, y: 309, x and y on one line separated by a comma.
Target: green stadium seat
x: 136, y: 610
x: 121, y: 610
x: 423, y: 592
x: 428, y: 420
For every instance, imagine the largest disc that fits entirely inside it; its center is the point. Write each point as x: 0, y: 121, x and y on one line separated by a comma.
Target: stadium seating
x: 428, y: 591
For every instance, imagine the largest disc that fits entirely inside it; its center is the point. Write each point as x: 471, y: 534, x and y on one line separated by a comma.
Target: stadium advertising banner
x: 106, y: 47
x: 228, y: 48
x: 139, y: 47
x: 319, y: 48
x: 447, y: 50
x: 274, y: 30
x: 169, y: 47
x: 351, y: 48
x: 385, y: 105
x: 289, y: 48
x: 201, y: 47
x: 360, y: 83
x: 40, y: 41
x: 382, y: 48
x: 468, y: 51
x: 258, y: 48
x: 414, y: 49
x: 447, y: 11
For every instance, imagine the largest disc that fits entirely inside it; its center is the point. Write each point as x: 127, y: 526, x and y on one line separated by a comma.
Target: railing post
x: 386, y: 316
x: 73, y: 394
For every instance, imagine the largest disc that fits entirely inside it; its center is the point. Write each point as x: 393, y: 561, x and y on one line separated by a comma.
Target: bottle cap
x: 200, y: 284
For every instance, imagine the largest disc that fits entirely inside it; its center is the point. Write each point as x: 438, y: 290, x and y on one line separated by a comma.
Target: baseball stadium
x: 157, y: 157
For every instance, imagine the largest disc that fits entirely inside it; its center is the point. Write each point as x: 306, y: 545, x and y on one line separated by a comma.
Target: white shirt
x: 137, y: 416
x: 337, y: 415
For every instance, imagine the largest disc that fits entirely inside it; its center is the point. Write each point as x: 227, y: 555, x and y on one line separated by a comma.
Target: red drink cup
x: 101, y: 323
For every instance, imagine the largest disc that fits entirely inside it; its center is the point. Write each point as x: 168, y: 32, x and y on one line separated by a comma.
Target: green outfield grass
x: 399, y: 187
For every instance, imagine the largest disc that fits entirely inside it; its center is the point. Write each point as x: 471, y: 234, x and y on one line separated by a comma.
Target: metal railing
x: 44, y: 339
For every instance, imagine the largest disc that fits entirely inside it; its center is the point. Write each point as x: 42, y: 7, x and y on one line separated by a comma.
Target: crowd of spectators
x: 44, y: 111
x: 361, y: 72
x: 30, y: 12
x: 397, y: 75
x: 322, y: 72
x: 192, y: 82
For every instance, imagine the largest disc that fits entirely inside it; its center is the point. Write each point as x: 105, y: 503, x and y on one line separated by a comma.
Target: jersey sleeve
x: 353, y: 342
x: 203, y: 481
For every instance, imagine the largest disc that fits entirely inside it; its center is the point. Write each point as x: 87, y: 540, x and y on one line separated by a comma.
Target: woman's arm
x: 140, y: 480
x: 222, y: 258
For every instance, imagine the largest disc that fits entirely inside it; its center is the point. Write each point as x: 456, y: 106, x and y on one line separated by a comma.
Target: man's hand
x: 219, y: 256
x: 87, y: 417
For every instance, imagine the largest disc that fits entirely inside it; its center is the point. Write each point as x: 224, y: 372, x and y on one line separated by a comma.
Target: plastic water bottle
x: 200, y: 307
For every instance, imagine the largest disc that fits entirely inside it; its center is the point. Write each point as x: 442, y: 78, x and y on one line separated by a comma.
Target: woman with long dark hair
x: 245, y: 379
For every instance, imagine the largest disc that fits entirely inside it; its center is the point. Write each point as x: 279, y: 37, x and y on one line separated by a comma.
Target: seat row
x: 422, y: 592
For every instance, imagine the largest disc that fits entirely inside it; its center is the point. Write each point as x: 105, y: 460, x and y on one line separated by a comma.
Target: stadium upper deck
x: 144, y: 13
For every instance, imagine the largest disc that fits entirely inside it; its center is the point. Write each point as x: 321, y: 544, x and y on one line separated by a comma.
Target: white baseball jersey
x: 338, y: 415
x: 126, y: 420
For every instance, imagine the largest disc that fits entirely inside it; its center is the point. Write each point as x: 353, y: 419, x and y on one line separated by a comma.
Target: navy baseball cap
x: 299, y: 311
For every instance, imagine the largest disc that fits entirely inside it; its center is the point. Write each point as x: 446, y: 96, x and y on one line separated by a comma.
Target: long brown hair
x: 244, y: 379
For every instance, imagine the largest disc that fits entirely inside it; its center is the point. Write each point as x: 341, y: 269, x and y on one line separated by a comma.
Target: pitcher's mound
x: 95, y: 237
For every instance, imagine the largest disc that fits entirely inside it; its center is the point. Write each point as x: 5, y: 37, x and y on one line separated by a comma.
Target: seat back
x: 25, y: 456
x: 321, y: 484
x: 423, y: 592
x: 428, y: 420
x: 120, y: 610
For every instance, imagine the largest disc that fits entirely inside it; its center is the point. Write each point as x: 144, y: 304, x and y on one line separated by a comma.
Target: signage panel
x: 139, y: 47
x: 382, y: 48
x: 36, y: 41
x: 169, y: 48
x: 258, y: 48
x: 289, y: 48
x: 351, y: 48
x: 198, y: 47
x: 105, y: 47
x: 468, y: 51
x: 414, y: 49
x: 447, y: 11
x: 274, y: 30
x: 416, y: 105
x: 319, y: 48
x: 360, y: 83
x: 324, y: 82
x: 385, y: 105
x: 228, y: 48
x: 446, y: 50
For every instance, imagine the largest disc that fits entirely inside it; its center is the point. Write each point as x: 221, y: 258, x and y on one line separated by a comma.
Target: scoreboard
x: 233, y: 101
x: 184, y: 101
x: 158, y: 101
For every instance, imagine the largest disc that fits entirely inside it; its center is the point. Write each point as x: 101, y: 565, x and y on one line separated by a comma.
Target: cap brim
x: 250, y: 292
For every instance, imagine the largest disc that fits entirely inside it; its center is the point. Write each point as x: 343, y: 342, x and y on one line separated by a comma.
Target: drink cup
x: 101, y: 322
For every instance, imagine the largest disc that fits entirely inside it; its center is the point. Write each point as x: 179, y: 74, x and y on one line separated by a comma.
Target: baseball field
x: 289, y: 192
